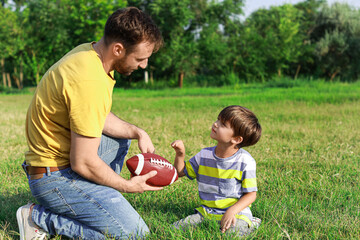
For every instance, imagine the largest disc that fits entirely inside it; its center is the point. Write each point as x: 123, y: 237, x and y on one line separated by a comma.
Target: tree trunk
x: 21, y: 74
x: 181, y: 79
x: 146, y: 77
x: 4, y: 79
x: 279, y: 72
x: 17, y: 79
x: 9, y: 79
x: 333, y: 75
x: 297, y: 71
x: 37, y: 75
x: 151, y: 77
x: 3, y: 71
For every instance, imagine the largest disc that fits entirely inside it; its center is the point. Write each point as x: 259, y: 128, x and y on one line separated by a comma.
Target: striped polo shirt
x: 222, y: 181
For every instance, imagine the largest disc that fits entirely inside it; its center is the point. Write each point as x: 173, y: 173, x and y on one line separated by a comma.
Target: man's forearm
x: 85, y: 161
x: 99, y: 172
x: 118, y: 128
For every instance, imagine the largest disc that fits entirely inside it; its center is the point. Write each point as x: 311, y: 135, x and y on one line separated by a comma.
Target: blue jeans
x: 77, y: 208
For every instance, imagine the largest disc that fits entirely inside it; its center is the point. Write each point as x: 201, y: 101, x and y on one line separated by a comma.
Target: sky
x: 253, y: 5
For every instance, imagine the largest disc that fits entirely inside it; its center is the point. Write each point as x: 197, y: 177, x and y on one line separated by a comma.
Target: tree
x: 194, y: 33
x: 179, y: 53
x: 308, y: 9
x: 336, y: 35
x: 219, y: 24
x: 55, y: 27
x: 9, y: 42
x: 271, y: 41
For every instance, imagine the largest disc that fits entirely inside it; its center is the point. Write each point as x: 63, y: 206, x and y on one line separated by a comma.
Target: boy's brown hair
x: 243, y: 122
x: 130, y: 26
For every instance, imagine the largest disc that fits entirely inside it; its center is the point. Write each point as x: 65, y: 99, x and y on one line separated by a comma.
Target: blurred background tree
x: 207, y: 42
x: 337, y: 41
x: 11, y: 45
x: 271, y: 41
x: 55, y: 27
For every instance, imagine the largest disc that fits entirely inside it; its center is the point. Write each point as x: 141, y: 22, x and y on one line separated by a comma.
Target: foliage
x: 206, y: 42
x: 55, y: 27
x: 11, y: 42
x: 306, y: 61
x: 271, y: 41
x: 9, y: 90
x: 216, y: 50
x: 194, y: 41
x: 337, y: 34
x: 173, y: 17
x: 9, y: 33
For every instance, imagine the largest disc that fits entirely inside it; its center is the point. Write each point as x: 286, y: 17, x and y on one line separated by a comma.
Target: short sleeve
x: 248, y: 183
x: 192, y: 167
x: 88, y: 104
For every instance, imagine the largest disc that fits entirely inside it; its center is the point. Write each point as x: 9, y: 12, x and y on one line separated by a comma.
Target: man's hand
x: 227, y: 220
x: 138, y: 184
x: 144, y: 142
x: 85, y: 161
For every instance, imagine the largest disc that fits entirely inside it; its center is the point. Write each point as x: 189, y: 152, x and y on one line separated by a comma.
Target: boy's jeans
x: 72, y: 206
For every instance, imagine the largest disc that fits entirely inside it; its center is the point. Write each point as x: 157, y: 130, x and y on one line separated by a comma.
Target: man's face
x: 137, y: 58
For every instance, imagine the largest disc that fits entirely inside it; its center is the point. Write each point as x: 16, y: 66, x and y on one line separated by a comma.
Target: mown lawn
x: 308, y: 159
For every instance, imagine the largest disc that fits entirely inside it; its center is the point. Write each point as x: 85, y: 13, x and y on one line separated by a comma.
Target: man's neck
x: 102, y: 52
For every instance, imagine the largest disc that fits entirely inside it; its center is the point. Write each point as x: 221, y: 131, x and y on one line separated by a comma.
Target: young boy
x: 226, y: 173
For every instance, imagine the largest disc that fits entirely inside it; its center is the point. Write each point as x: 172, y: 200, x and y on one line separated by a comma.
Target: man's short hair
x: 130, y: 26
x: 243, y: 122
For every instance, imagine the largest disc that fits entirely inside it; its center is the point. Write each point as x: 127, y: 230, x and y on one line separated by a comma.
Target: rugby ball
x: 143, y: 163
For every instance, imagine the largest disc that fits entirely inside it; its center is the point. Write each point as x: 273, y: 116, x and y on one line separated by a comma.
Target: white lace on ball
x: 161, y: 163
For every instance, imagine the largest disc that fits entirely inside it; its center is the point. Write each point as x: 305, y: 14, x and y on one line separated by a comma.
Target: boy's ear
x: 237, y: 140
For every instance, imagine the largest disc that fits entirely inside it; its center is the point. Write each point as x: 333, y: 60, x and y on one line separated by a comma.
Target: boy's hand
x: 227, y: 220
x: 179, y: 164
x: 179, y: 147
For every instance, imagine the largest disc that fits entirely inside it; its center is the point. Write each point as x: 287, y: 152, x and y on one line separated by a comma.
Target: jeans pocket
x: 55, y: 201
x: 229, y: 187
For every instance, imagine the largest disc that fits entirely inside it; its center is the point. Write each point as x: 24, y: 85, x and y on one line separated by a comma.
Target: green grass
x: 308, y: 159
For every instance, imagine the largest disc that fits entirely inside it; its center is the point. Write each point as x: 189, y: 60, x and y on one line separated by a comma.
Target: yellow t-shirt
x: 74, y: 94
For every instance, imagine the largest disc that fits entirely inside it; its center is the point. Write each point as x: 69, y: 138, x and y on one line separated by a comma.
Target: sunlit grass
x: 307, y: 159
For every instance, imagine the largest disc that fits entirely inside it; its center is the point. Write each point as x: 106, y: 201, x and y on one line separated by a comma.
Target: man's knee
x: 130, y: 231
x: 113, y: 151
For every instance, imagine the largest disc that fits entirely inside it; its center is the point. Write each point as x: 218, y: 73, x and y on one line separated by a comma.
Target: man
x: 77, y: 146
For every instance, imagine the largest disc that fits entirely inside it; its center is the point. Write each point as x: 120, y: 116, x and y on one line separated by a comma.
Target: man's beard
x: 121, y: 67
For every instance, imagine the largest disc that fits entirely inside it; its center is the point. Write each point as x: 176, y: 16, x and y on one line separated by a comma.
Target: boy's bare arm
x: 229, y: 218
x: 179, y: 164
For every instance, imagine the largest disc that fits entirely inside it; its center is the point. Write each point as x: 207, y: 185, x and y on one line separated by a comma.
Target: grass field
x: 308, y: 159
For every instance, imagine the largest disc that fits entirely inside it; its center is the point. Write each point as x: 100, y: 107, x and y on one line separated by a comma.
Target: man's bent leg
x: 87, y: 215
x: 77, y: 208
x: 113, y: 151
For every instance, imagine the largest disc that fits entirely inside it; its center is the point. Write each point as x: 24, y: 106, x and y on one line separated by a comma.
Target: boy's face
x: 222, y: 132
